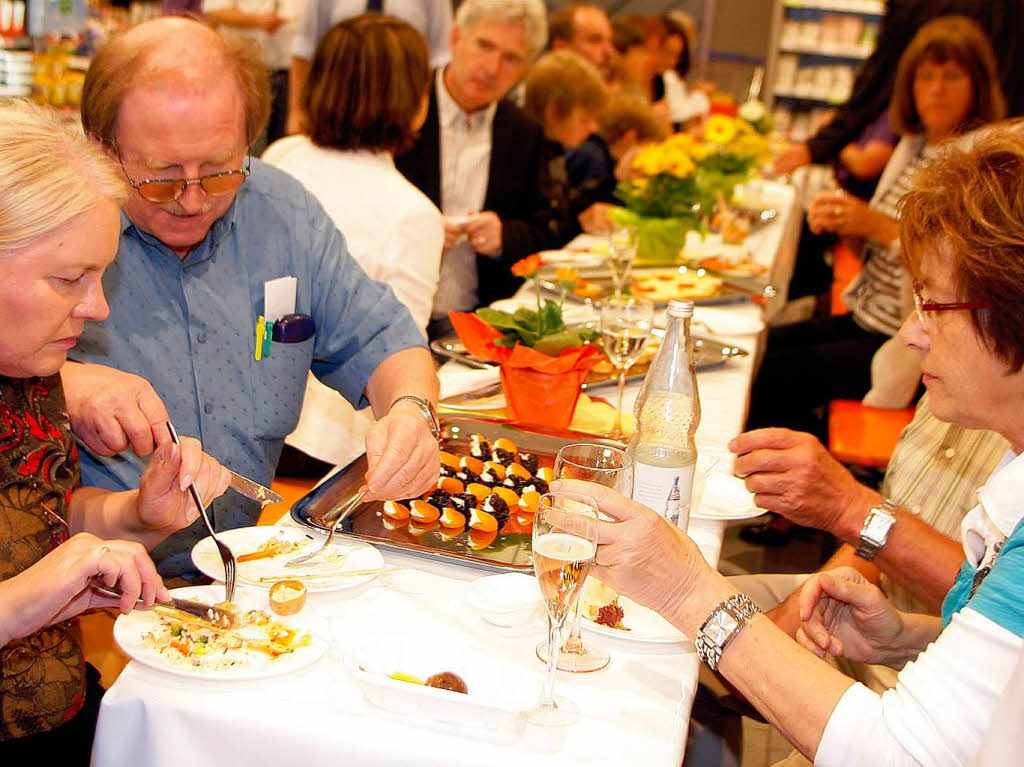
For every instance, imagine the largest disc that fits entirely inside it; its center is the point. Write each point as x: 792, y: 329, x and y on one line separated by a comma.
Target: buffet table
x: 635, y: 711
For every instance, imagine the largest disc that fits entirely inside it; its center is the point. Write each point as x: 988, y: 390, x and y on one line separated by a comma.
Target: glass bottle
x: 667, y: 414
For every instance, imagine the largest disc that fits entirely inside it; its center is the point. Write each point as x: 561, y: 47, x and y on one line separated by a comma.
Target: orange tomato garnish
x: 421, y: 511
x: 449, y: 460
x: 496, y: 468
x: 508, y: 495
x: 396, y: 510
x: 451, y: 484
x: 481, y: 520
x: 475, y: 465
x: 481, y: 539
x: 480, y: 491
x: 452, y: 517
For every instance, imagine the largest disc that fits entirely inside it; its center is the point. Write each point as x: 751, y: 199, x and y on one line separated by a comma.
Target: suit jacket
x: 513, y: 189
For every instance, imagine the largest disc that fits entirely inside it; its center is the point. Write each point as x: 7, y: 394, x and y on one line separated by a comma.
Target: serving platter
x: 510, y: 549
x: 708, y: 354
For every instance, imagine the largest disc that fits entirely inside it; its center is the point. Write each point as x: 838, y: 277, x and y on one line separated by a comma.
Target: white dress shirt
x: 465, y: 168
x: 394, y: 232
x: 276, y: 46
x: 433, y: 18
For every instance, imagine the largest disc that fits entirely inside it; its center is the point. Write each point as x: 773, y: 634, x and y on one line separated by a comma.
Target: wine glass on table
x: 625, y: 327
x: 564, y: 544
x: 622, y: 246
x: 611, y: 467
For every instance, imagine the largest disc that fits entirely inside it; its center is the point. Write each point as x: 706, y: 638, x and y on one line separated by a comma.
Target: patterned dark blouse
x: 42, y: 677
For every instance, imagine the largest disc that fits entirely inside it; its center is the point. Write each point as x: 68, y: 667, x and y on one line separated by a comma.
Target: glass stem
x: 617, y: 429
x: 548, y: 694
x: 574, y: 644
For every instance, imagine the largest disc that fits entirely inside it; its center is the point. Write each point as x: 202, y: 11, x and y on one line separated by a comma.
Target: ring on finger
x: 105, y: 549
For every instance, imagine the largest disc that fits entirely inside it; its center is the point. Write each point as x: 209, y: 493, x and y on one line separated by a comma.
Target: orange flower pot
x: 533, y: 396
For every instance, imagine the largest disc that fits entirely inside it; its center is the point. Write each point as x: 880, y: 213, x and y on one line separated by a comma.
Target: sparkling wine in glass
x: 564, y: 544
x: 622, y: 245
x: 611, y: 467
x: 625, y: 327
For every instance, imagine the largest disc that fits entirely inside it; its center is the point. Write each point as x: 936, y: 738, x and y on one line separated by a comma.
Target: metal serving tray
x: 708, y: 353
x: 508, y: 552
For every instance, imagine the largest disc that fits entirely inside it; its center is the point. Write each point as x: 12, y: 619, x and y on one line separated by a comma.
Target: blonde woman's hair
x: 49, y: 173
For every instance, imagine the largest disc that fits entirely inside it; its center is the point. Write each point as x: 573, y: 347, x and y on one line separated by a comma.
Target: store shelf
x: 863, y: 7
x: 825, y: 51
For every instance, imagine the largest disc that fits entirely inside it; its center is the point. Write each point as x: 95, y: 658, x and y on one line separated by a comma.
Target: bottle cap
x: 680, y: 308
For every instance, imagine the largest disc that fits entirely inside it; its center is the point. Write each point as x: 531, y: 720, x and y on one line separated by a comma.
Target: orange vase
x: 533, y: 396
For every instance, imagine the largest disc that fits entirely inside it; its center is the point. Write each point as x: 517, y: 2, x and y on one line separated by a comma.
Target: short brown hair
x: 366, y: 83
x: 560, y: 23
x: 563, y: 80
x: 123, y: 64
x: 954, y: 39
x: 969, y: 202
x: 626, y: 112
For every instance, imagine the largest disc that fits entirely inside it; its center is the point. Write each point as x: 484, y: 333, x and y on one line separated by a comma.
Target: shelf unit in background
x: 815, y: 51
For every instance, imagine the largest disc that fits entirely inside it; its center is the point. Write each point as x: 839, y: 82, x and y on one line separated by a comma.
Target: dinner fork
x: 225, y: 553
x: 334, y: 528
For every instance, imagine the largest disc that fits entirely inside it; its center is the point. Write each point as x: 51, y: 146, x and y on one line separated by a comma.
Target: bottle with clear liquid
x: 667, y: 414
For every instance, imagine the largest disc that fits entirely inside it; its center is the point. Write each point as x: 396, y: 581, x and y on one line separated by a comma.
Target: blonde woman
x: 59, y: 226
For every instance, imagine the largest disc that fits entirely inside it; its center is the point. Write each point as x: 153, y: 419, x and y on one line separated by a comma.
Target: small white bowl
x: 508, y: 599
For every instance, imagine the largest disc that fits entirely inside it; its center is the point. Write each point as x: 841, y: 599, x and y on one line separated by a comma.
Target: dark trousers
x: 69, y: 745
x: 806, y: 364
x: 812, y: 274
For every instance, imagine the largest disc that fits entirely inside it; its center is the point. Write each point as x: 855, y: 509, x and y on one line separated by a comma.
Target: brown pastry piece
x: 446, y: 680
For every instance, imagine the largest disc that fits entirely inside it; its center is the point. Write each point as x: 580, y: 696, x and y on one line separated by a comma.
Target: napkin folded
x: 458, y: 379
x: 597, y: 417
x: 726, y: 494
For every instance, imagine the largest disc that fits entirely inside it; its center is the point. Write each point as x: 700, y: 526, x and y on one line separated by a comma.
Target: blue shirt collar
x: 204, y: 250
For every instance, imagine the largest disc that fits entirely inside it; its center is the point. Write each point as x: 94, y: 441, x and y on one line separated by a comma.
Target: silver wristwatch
x: 429, y: 413
x: 875, y: 531
x: 722, y: 626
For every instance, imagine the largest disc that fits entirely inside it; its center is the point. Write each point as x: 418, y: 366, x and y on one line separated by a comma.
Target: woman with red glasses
x: 962, y: 229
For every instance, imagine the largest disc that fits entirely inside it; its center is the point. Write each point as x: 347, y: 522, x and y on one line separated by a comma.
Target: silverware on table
x: 225, y: 553
x: 214, y: 615
x: 473, y: 394
x: 352, y: 504
x: 450, y: 351
x: 253, y: 490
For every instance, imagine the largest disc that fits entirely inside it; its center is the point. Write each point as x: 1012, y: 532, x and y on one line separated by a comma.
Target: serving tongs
x: 215, y: 615
x: 342, y: 516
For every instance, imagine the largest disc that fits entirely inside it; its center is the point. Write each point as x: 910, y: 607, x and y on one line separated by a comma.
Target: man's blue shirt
x: 188, y: 327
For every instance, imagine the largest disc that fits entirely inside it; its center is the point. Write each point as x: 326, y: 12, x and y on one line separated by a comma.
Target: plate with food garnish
x: 259, y: 643
x: 607, y: 612
x: 744, y: 267
x: 262, y: 553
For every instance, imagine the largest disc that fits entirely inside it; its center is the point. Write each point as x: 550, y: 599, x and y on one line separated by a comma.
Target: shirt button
x: 207, y: 408
x: 949, y: 452
x: 201, y: 338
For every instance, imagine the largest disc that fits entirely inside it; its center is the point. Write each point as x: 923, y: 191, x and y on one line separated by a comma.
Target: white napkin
x: 727, y: 495
x: 457, y: 378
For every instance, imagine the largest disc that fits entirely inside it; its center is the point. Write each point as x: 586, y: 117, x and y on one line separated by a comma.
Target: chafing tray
x: 509, y: 551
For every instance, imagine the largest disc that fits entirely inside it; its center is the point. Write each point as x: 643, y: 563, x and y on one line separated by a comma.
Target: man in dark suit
x: 478, y: 156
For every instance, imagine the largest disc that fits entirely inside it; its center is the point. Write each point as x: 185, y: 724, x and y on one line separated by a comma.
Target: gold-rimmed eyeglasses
x: 170, y: 189
x: 923, y: 307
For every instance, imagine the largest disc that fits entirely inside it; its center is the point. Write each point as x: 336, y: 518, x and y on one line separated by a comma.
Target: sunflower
x: 720, y: 129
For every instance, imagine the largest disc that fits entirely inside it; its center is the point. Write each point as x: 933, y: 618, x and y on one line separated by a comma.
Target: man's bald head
x: 171, y: 51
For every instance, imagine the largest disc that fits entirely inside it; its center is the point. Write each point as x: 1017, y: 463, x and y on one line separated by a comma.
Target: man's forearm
x: 410, y: 371
x: 916, y: 555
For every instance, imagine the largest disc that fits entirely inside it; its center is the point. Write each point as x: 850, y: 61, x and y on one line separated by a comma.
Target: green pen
x: 267, y: 339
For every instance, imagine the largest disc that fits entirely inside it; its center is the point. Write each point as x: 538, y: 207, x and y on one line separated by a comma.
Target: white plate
x: 243, y: 540
x: 645, y: 625
x: 130, y: 629
x: 579, y: 259
x: 497, y: 689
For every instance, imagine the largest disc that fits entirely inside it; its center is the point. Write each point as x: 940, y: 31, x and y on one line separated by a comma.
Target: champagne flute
x: 622, y: 246
x: 612, y: 467
x: 625, y: 327
x: 564, y: 544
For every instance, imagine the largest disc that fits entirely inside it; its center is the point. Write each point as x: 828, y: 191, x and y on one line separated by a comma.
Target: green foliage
x: 545, y: 331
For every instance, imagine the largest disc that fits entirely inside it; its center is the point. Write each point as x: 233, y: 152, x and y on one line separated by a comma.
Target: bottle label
x: 664, y: 489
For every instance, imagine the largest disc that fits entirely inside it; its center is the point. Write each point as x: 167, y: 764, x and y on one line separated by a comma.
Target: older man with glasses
x: 195, y: 289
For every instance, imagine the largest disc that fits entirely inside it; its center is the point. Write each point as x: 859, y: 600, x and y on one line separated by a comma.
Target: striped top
x: 935, y: 472
x: 877, y: 295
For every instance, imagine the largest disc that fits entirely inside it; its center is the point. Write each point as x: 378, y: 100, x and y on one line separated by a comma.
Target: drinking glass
x: 625, y: 327
x: 622, y: 245
x: 611, y: 467
x: 564, y: 544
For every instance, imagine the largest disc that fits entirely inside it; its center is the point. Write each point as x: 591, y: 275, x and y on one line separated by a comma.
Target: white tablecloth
x: 635, y: 712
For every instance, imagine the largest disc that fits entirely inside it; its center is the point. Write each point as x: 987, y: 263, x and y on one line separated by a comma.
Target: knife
x: 253, y: 490
x: 216, y: 615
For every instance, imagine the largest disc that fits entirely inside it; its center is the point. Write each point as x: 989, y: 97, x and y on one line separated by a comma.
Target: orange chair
x: 865, y: 436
